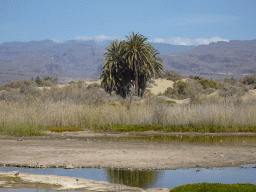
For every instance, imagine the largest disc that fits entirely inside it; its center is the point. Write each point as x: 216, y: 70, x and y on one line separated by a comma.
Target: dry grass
x: 23, y: 119
x: 29, y: 111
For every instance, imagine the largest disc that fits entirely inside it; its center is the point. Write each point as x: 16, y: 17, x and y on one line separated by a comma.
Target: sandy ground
x: 78, y: 150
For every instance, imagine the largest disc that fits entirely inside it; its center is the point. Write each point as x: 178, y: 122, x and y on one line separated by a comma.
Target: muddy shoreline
x: 68, y: 150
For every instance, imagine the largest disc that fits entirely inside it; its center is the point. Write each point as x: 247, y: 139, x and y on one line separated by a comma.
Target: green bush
x: 46, y: 81
x: 206, y: 83
x: 216, y: 187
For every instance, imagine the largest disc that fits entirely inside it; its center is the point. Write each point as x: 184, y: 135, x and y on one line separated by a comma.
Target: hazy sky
x: 184, y: 22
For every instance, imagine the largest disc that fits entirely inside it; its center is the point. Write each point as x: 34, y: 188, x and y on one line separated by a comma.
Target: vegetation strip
x: 200, y: 187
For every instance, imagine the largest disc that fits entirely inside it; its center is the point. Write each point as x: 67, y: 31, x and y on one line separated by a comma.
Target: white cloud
x: 59, y: 40
x: 187, y: 41
x: 97, y: 38
x: 172, y: 40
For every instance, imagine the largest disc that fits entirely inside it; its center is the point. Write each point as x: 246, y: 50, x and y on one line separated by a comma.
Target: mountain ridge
x: 73, y: 59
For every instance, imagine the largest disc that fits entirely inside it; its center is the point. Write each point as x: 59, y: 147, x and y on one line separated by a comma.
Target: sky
x: 177, y: 22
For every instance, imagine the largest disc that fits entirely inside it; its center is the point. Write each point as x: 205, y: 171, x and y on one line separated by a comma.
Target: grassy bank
x: 32, y: 119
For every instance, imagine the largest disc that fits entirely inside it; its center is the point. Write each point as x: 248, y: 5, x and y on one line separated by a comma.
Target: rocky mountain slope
x: 216, y: 60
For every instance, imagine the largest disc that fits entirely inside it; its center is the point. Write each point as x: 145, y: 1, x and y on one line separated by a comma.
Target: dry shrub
x: 171, y: 75
x: 248, y: 80
x: 228, y: 91
x: 231, y: 91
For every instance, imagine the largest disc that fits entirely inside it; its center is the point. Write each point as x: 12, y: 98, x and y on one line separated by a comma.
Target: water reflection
x: 178, y: 139
x: 134, y: 178
x: 150, y: 179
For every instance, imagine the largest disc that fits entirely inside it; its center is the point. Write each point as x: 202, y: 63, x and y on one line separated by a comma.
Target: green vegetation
x: 20, y: 128
x: 46, y: 81
x: 62, y: 129
x: 216, y: 187
x: 17, y: 182
x: 130, y: 62
x: 10, y: 180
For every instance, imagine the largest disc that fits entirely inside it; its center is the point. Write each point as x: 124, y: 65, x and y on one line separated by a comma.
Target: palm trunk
x: 136, y: 81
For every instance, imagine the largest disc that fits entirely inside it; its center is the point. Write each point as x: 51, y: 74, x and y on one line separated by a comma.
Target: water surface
x: 156, y: 178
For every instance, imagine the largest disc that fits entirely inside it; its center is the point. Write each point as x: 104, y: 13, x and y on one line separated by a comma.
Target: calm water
x: 207, y: 140
x: 160, y: 178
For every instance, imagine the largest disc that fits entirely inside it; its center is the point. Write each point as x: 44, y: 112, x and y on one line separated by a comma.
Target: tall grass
x: 32, y: 119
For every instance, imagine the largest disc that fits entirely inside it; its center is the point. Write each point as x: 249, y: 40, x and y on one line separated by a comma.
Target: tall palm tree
x: 140, y: 56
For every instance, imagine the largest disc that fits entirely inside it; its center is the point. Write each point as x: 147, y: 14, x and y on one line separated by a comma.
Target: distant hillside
x: 73, y: 60
x: 216, y: 60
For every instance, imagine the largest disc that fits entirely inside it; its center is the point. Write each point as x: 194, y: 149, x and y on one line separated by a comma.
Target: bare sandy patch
x: 160, y: 85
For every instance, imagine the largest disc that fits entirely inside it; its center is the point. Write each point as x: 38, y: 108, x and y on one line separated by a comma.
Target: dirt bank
x: 70, y: 149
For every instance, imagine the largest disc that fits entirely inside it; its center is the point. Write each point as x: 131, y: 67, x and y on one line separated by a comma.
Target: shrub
x: 170, y: 91
x: 182, y: 90
x: 206, y: 83
x: 232, y: 81
x: 46, y: 81
x: 248, y: 80
x: 171, y: 75
x: 240, y: 89
x: 181, y: 87
x: 228, y: 91
x: 93, y: 85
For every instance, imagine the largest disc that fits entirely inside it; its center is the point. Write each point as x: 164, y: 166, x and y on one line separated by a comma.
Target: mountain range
x: 76, y: 60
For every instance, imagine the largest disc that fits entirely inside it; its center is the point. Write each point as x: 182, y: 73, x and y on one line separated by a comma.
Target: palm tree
x: 140, y: 56
x: 130, y: 62
x: 116, y: 75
